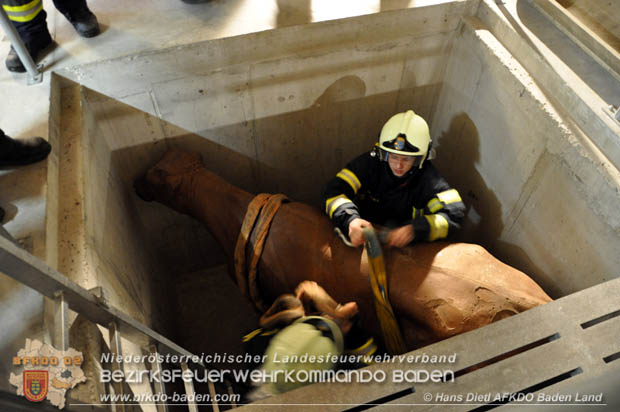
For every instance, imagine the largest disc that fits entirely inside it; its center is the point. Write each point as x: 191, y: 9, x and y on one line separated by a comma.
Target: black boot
x: 18, y: 152
x: 83, y: 21
x: 34, y: 46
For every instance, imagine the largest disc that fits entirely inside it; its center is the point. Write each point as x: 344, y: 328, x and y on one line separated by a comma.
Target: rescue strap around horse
x: 378, y: 281
x: 257, y: 220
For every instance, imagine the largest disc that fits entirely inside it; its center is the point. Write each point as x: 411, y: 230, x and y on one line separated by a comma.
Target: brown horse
x: 437, y: 289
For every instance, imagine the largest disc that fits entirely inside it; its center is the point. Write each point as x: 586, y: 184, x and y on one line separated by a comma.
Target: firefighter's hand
x: 356, y: 231
x: 284, y: 311
x: 317, y: 301
x: 401, y: 236
x: 315, y: 298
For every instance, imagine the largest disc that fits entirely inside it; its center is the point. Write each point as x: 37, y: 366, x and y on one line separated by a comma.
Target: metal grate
x: 571, y: 342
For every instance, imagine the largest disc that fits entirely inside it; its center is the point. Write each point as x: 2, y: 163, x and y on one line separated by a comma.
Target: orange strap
x: 258, y: 217
x: 251, y: 215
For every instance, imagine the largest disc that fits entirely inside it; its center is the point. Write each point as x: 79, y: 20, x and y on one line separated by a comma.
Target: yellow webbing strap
x: 258, y: 217
x: 378, y: 281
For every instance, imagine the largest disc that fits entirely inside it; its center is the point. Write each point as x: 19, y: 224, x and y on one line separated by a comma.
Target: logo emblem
x: 35, y: 385
x: 57, y: 372
x: 399, y: 144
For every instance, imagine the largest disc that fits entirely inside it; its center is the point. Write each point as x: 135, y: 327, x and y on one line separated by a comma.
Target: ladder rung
x: 60, y: 339
x: 158, y: 385
x: 117, y: 352
x: 189, y: 390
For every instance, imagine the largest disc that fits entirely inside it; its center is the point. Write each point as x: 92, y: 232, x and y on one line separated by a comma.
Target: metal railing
x: 32, y: 272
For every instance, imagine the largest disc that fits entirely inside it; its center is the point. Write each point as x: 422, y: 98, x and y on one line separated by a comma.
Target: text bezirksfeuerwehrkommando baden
x: 260, y: 376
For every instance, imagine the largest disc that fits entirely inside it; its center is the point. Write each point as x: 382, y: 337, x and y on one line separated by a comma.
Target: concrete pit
x: 282, y: 111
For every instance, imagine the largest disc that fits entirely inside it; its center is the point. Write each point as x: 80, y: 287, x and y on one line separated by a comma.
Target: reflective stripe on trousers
x: 22, y: 10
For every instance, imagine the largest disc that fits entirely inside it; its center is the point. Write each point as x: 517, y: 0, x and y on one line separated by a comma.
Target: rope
x: 378, y: 281
x: 258, y: 217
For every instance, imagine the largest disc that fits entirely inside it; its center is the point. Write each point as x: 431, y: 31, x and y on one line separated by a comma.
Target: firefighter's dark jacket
x: 367, y: 188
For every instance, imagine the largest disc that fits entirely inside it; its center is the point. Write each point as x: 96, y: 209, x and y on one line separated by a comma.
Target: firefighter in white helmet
x: 306, y: 333
x: 395, y: 186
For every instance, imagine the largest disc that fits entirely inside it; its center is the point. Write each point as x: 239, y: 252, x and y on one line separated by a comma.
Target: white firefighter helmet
x: 303, y: 347
x: 406, y: 134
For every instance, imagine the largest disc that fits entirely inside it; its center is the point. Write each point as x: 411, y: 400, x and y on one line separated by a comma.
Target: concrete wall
x: 95, y: 234
x: 115, y: 238
x: 600, y: 17
x: 539, y: 197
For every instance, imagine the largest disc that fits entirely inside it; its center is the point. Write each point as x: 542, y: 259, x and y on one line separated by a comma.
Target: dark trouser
x: 68, y: 6
x: 5, y: 141
x: 33, y: 29
x: 37, y: 27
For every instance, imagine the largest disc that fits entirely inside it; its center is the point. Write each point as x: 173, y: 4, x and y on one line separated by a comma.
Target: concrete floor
x: 128, y: 28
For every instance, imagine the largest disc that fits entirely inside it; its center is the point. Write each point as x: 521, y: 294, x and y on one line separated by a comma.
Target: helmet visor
x: 417, y: 159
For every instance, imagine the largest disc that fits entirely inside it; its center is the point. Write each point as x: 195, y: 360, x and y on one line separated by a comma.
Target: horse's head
x: 163, y: 181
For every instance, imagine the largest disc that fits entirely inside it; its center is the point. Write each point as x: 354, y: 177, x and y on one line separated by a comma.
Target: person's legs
x: 29, y: 19
x: 79, y: 15
x: 19, y: 152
